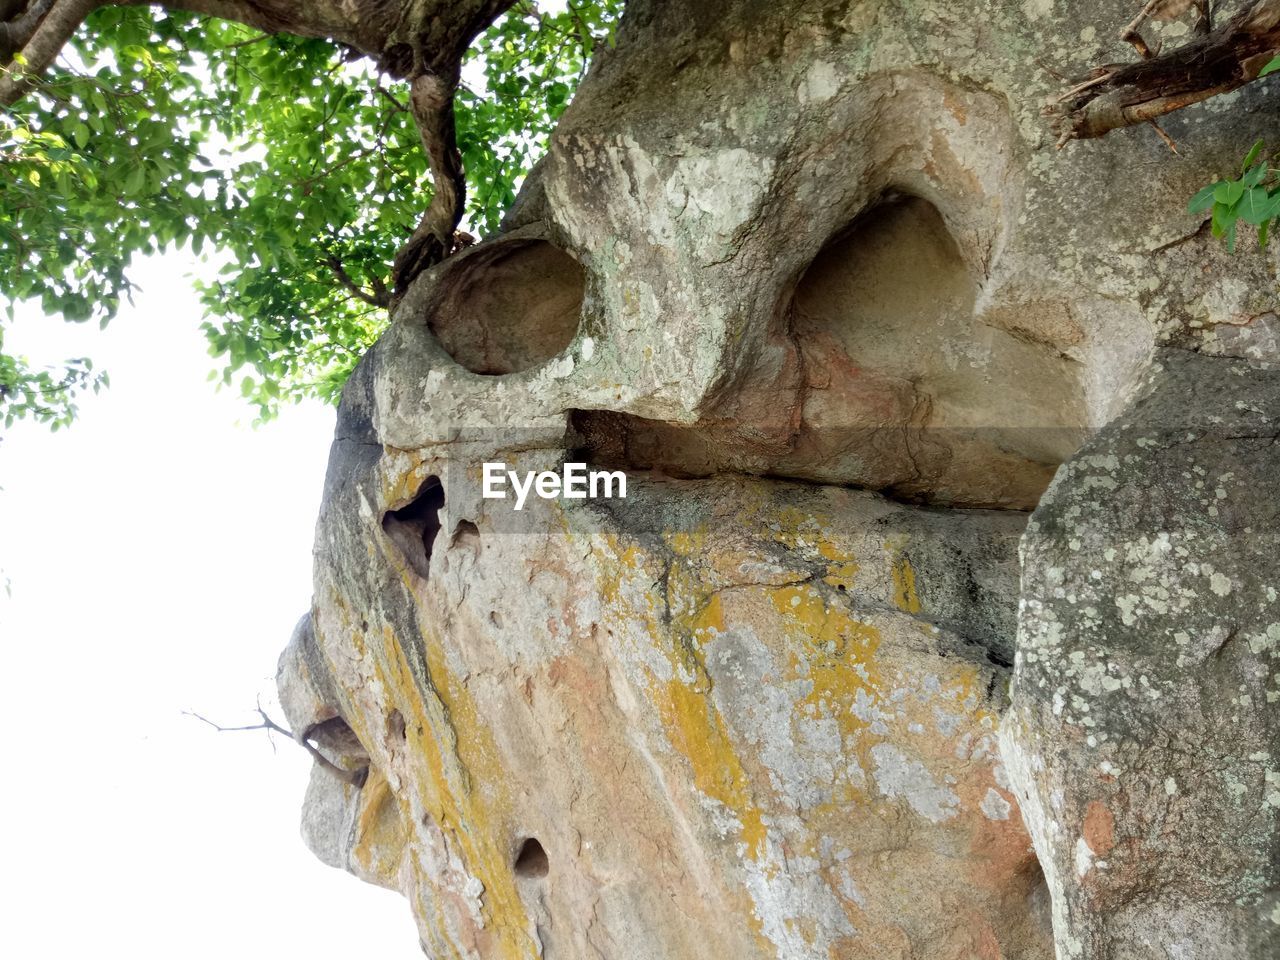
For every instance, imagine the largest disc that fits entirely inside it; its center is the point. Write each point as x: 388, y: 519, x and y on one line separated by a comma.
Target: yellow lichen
x: 905, y: 597
x: 381, y: 833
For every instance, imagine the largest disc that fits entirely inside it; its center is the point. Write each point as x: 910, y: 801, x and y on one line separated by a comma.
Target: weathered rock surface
x: 776, y: 252
x: 736, y: 717
x: 1145, y: 729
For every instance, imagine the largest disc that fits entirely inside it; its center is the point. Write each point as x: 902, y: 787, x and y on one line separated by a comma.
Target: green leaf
x: 1256, y: 207
x: 311, y: 159
x: 1253, y: 155
x: 1204, y: 198
x: 1224, y: 218
x: 135, y: 180
x: 1271, y: 67
x: 1229, y: 192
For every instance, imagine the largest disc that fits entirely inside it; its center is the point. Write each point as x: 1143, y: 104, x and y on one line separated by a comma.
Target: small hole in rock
x: 395, y: 725
x: 337, y: 739
x: 466, y: 536
x: 495, y: 618
x: 413, y: 527
x: 532, y: 860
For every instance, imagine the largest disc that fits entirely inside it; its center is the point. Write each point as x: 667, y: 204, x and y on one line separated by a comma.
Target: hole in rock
x: 395, y: 725
x: 881, y: 376
x: 509, y: 307
x: 532, y: 860
x: 906, y: 389
x: 413, y: 528
x: 335, y: 739
x: 466, y: 536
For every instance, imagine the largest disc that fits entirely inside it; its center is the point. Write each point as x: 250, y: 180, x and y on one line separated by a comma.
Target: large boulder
x: 815, y: 276
x: 1145, y: 733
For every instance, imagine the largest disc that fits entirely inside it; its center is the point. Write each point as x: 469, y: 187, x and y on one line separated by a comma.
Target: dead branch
x: 1216, y: 62
x: 354, y: 777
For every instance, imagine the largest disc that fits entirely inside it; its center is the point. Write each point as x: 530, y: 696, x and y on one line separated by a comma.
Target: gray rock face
x: 814, y: 275
x: 1145, y: 733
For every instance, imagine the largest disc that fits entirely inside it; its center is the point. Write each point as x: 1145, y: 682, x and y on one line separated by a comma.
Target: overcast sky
x: 159, y: 556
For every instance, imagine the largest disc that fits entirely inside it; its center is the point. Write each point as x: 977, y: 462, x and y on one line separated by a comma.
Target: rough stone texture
x: 737, y: 716
x: 749, y: 711
x: 1145, y: 730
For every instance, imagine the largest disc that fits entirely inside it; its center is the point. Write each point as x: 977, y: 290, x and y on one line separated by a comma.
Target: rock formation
x: 821, y: 686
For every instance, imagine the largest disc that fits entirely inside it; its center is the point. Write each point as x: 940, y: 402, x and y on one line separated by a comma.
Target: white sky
x: 159, y: 556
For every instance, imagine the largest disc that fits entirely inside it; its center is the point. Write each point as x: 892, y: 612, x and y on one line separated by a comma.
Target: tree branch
x: 354, y: 777
x: 431, y: 100
x: 1217, y: 62
x: 379, y: 298
x: 44, y: 40
x: 404, y: 37
x: 19, y: 25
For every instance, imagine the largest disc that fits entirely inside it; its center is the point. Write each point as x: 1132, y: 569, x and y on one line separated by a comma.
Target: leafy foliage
x: 1252, y: 198
x: 301, y: 170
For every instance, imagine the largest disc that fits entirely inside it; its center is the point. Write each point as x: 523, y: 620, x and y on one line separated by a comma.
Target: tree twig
x: 354, y: 777
x: 1168, y: 140
x: 379, y: 298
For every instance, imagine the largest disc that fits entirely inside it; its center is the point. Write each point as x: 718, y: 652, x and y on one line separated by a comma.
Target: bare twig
x: 354, y: 777
x: 387, y: 94
x: 1168, y: 140
x: 1130, y: 33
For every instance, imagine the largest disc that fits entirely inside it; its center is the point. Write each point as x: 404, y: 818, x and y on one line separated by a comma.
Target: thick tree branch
x: 404, y: 37
x: 45, y: 38
x: 1121, y: 95
x: 420, y: 40
x: 431, y: 100
x: 18, y: 27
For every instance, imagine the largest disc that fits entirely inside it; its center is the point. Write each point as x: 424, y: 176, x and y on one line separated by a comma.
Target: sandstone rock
x: 777, y: 251
x: 734, y: 715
